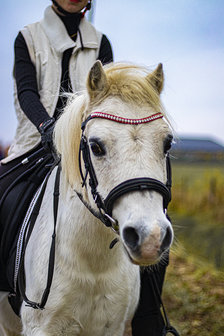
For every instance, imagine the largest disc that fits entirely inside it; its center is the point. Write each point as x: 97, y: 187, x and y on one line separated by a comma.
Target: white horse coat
x: 95, y: 290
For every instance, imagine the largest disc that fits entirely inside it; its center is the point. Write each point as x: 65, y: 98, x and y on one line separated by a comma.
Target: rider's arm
x: 26, y: 82
x: 105, y: 53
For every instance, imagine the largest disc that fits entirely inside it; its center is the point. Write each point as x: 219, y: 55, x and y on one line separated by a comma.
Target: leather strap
x: 168, y: 328
x: 137, y: 184
x: 21, y: 274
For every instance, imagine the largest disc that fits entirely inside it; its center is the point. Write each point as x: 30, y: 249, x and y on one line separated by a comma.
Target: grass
x: 194, y: 296
x: 198, y: 189
x: 197, y: 209
x: 194, y: 289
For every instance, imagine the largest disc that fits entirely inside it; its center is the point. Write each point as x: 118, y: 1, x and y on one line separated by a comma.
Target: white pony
x: 95, y: 289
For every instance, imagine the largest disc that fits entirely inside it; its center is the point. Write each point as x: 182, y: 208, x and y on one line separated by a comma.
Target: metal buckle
x: 114, y: 223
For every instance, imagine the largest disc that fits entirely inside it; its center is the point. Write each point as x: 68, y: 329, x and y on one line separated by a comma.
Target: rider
x: 53, y: 56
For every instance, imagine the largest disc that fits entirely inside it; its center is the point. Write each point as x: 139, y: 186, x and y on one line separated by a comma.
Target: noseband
x: 105, y: 206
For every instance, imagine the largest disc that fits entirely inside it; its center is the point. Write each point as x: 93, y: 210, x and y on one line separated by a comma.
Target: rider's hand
x: 46, y: 129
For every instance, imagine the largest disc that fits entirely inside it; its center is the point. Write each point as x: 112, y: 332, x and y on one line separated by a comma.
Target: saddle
x: 13, y: 210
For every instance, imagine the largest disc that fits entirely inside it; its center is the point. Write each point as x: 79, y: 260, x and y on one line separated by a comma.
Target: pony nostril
x: 166, y: 242
x: 131, y: 237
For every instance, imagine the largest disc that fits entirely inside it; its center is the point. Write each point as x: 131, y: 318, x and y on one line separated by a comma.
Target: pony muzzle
x: 146, y: 249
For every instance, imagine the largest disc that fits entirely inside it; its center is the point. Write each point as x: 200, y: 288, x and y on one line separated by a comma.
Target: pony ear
x: 156, y: 78
x: 96, y: 81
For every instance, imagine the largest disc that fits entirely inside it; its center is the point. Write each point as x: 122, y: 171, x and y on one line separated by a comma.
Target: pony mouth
x: 139, y: 261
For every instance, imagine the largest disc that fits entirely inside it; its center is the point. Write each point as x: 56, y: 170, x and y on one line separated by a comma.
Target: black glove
x: 46, y: 129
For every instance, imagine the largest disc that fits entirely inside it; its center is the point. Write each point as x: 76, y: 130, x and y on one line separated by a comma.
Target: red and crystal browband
x: 121, y: 120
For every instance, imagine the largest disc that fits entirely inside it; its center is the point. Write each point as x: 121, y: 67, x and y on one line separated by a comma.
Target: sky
x: 187, y: 36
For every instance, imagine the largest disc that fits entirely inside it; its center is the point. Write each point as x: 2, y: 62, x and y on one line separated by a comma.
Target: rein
x: 168, y: 328
x: 105, y: 206
x: 21, y: 273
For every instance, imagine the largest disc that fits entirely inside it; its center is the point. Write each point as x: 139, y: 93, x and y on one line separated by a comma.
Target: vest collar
x: 58, y: 36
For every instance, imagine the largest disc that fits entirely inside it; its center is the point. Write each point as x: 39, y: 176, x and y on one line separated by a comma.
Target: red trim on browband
x: 126, y: 120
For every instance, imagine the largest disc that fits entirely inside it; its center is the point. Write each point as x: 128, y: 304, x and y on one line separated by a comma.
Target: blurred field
x: 194, y: 296
x: 194, y: 286
x: 197, y: 209
x: 198, y: 188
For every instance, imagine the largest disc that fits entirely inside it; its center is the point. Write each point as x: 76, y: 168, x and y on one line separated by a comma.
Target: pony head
x: 122, y: 151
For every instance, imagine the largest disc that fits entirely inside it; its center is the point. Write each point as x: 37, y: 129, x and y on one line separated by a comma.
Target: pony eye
x: 167, y: 143
x: 97, y: 149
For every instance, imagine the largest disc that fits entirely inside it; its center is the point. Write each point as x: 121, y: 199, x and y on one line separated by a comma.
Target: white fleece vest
x: 46, y: 41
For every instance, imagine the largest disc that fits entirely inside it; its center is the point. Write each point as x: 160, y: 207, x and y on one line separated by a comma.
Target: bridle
x: 105, y: 206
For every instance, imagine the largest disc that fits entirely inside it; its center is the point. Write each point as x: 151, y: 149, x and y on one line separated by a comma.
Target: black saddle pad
x: 13, y: 207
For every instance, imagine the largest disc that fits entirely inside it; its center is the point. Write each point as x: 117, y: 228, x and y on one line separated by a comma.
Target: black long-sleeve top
x: 25, y: 73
